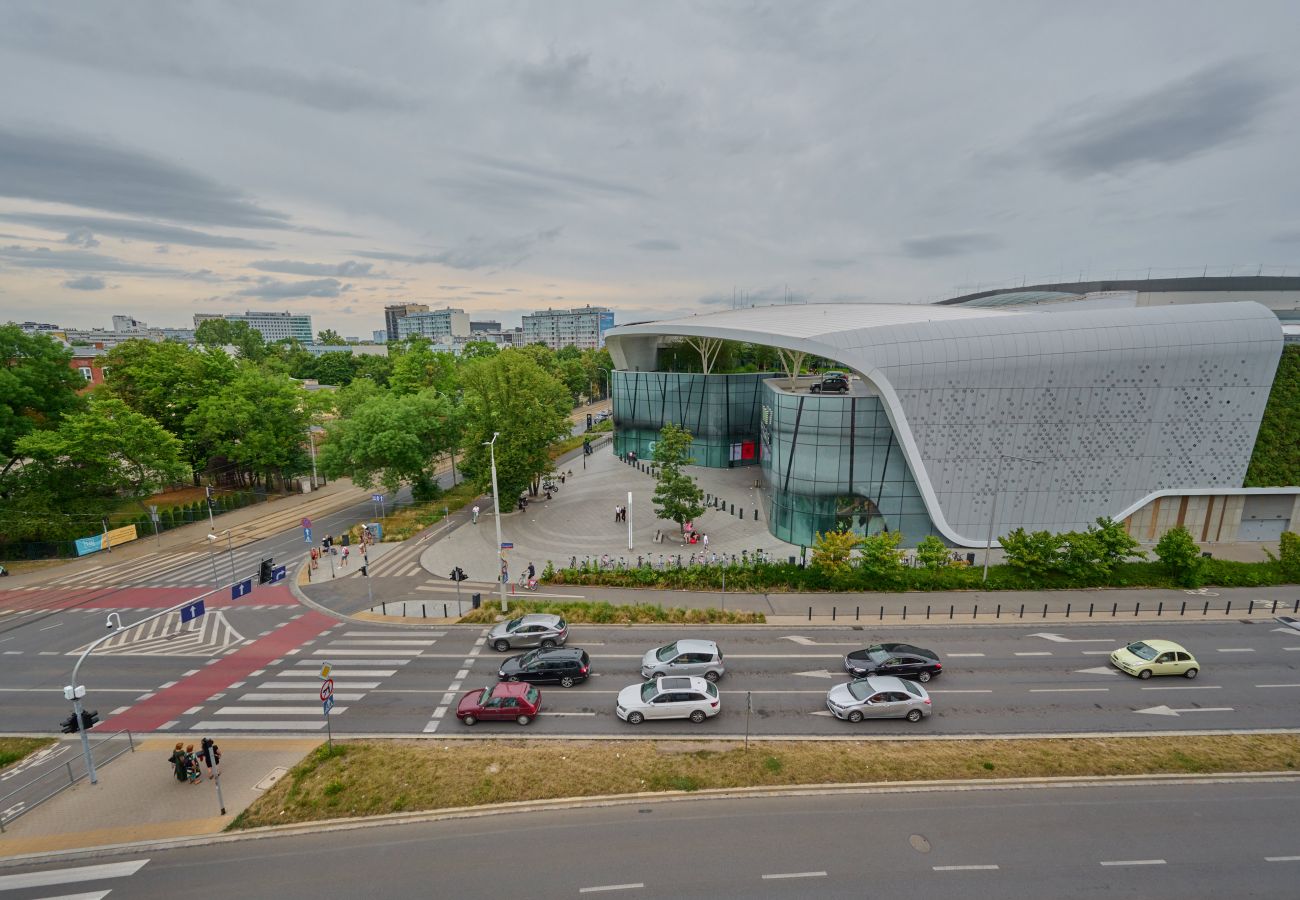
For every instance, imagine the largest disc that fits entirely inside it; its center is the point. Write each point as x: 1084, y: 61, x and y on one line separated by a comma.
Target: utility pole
x: 496, y: 510
x: 311, y: 445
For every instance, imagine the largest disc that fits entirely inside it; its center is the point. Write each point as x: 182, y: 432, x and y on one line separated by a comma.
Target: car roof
x: 559, y: 653
x: 1160, y: 646
x: 692, y: 645
x: 886, y: 683
x: 680, y: 683
x: 510, y: 689
x: 909, y: 648
x: 540, y: 618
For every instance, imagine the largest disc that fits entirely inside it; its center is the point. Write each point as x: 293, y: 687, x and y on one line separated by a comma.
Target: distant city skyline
x: 162, y: 160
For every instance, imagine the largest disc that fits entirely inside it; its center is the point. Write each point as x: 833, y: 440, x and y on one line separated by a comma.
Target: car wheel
x: 469, y: 720
x: 566, y: 681
x: 1144, y: 674
x: 913, y: 715
x: 712, y: 676
x: 501, y: 646
x: 548, y: 644
x: 923, y: 677
x: 1190, y: 673
x: 697, y: 716
x: 855, y: 717
x: 815, y: 389
x: 635, y: 718
x: 513, y: 678
x: 523, y: 720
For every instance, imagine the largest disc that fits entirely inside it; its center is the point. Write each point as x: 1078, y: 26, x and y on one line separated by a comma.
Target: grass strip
x: 588, y: 613
x: 12, y: 749
x: 366, y: 778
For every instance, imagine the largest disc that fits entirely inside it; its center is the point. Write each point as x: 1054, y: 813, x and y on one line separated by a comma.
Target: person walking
x: 474, y: 516
x: 211, y: 755
x: 192, y: 769
x: 345, y: 555
x: 706, y: 542
x: 617, y: 512
x: 315, y: 558
x: 180, y: 764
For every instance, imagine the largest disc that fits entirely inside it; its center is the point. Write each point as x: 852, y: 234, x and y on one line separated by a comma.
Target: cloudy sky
x: 161, y: 159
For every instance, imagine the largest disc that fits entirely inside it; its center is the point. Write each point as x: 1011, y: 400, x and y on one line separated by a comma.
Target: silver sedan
x: 878, y: 697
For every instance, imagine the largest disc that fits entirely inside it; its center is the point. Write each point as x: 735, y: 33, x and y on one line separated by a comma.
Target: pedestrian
x: 315, y: 558
x: 345, y: 555
x: 211, y: 755
x: 532, y: 572
x: 617, y: 512
x: 192, y: 765
x: 180, y: 766
x: 474, y: 516
x: 706, y: 542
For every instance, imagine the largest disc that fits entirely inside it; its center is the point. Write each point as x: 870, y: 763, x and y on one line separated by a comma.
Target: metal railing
x: 56, y: 780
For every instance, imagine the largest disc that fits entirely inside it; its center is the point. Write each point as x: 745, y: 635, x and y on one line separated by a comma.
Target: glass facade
x: 721, y: 411
x: 832, y: 462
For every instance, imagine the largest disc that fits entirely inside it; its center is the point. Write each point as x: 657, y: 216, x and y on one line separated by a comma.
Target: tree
x: 223, y: 332
x: 832, y: 552
x: 1034, y: 554
x: 677, y: 497
x: 1288, y: 556
x: 392, y: 440
x: 334, y: 368
x: 417, y: 366
x: 879, y: 556
x: 512, y: 395
x: 329, y: 336
x: 479, y: 349
x: 37, y: 386
x: 932, y: 552
x: 1180, y: 556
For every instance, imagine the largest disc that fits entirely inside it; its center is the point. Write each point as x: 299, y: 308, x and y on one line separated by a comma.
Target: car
x: 688, y: 657
x: 878, y: 697
x: 1147, y: 658
x: 504, y: 700
x: 902, y: 660
x: 531, y: 630
x: 565, y: 666
x: 601, y: 417
x: 670, y: 697
x: 831, y: 383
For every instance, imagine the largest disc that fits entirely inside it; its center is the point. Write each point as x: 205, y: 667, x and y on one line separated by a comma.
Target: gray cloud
x: 476, y: 252
x: 81, y: 237
x: 271, y: 289
x: 74, y: 261
x: 82, y: 172
x: 509, y: 184
x: 659, y: 244
x: 347, y: 269
x: 133, y: 230
x: 86, y: 283
x: 938, y: 246
x: 1205, y: 110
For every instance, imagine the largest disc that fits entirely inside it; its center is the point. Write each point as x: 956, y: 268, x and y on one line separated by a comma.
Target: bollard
x: 1274, y: 607
x: 810, y: 614
x: 755, y: 515
x: 1136, y: 607
x: 444, y: 610
x: 742, y: 512
x: 1114, y: 608
x: 424, y: 613
x: 1183, y: 609
x: 1160, y: 610
x: 1044, y: 610
x: 1089, y: 610
x: 998, y: 613
x: 976, y: 613
x: 383, y: 608
x: 882, y: 614
x: 832, y: 614
x: 951, y: 608
x: 1228, y: 610
x: 1296, y: 608
x: 927, y: 612
x: 904, y: 612
x: 403, y: 609
x: 1251, y: 609
x: 733, y: 509
x: 1205, y: 609
x: 1022, y: 610
x: 1067, y: 609
x: 857, y: 613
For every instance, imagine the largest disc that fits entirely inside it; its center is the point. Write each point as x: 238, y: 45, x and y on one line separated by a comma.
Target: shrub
x: 1180, y: 556
x: 1288, y: 557
x: 933, y: 553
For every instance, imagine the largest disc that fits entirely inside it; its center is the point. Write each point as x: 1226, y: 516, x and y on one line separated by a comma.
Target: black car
x: 565, y: 666
x: 901, y: 660
x: 832, y: 383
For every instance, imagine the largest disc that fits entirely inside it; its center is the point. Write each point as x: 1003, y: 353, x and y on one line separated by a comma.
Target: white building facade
x: 583, y: 327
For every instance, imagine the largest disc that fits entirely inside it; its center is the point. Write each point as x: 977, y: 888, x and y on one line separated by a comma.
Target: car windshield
x: 710, y: 688
x: 860, y: 690
x: 648, y: 691
x: 912, y: 689
x: 1141, y: 650
x: 666, y: 653
x: 527, y: 658
x: 532, y: 694
x: 876, y: 652
x: 484, y: 697
x: 514, y: 623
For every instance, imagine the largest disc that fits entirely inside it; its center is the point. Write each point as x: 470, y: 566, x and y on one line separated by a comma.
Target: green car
x: 1147, y: 658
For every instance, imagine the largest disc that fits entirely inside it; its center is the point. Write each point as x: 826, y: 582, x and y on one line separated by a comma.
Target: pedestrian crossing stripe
x: 166, y: 636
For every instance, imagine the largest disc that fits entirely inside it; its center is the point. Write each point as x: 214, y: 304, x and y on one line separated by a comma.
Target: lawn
x: 14, y: 749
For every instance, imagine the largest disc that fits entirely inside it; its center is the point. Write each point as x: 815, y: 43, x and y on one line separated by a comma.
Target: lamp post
x: 311, y: 445
x: 993, y: 514
x: 216, y: 579
x: 496, y: 514
x: 230, y: 548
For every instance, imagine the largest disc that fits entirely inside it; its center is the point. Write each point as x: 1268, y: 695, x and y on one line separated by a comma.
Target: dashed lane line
x: 630, y: 886
x: 964, y: 868
x: 775, y: 875
x: 1133, y: 862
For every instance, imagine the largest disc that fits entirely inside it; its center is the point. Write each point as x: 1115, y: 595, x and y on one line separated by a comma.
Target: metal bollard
x: 1296, y: 608
x: 1251, y: 609
x: 383, y: 607
x: 1160, y: 610
x: 1274, y: 607
x: 976, y: 613
x: 927, y: 612
x: 424, y: 613
x: 998, y: 614
x: 951, y: 609
x: 733, y: 509
x: 857, y: 613
x: 742, y: 512
x: 1228, y: 610
x: 1044, y: 610
x: 832, y: 614
x: 1089, y: 610
x: 810, y: 614
x: 1136, y: 607
x: 1205, y: 610
x: 1022, y: 610
x: 403, y: 609
x: 1114, y: 609
x: 1067, y: 609
x: 904, y: 612
x: 882, y: 614
x: 444, y: 610
x: 755, y: 515
x: 1182, y: 610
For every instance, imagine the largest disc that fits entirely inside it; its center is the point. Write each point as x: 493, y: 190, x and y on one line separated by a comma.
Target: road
x: 1136, y: 840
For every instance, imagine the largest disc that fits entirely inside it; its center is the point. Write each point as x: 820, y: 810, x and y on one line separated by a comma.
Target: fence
x: 58, y: 779
x: 1095, y: 610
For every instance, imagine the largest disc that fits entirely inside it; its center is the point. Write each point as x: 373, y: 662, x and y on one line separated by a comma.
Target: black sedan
x: 901, y: 660
x: 565, y: 666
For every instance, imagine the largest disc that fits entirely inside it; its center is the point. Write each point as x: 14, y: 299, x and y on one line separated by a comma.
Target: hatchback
x: 878, y: 697
x: 690, y: 657
x: 903, y: 660
x: 531, y: 630
x: 565, y: 666
x: 506, y: 700
x: 673, y: 697
x: 1147, y: 658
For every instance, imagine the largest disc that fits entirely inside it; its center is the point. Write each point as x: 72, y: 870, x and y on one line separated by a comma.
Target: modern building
x: 583, y: 328
x: 351, y: 349
x: 434, y: 324
x: 396, y: 311
x: 968, y: 420
x: 485, y: 326
x: 274, y: 326
x: 380, y: 336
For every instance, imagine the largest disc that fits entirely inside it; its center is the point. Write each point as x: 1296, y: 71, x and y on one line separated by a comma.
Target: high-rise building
x: 128, y: 323
x: 395, y: 311
x: 274, y: 326
x: 434, y: 325
x: 583, y: 327
x: 379, y: 336
x: 484, y: 326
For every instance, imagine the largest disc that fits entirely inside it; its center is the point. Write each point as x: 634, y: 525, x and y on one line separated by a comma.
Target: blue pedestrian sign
x: 327, y: 704
x: 277, y: 574
x: 193, y: 611
x: 377, y: 498
x: 240, y: 589
x: 306, y: 535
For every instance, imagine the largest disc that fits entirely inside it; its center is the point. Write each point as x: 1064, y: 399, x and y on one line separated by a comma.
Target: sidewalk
x: 138, y: 798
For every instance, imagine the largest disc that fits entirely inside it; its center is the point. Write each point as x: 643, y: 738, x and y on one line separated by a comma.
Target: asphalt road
x: 1168, y: 840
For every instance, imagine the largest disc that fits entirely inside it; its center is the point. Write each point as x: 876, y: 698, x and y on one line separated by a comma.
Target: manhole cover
x: 919, y: 843
x: 271, y: 778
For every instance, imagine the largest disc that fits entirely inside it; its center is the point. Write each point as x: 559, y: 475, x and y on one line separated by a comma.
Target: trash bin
x: 476, y: 600
x: 970, y: 559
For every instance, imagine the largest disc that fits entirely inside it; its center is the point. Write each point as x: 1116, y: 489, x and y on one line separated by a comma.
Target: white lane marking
x: 336, y: 673
x: 962, y: 691
x: 440, y: 712
x: 432, y: 726
x: 1168, y: 711
x: 165, y: 685
x: 192, y: 710
x: 775, y: 875
x: 1276, y: 685
x: 384, y: 642
x: 88, y: 895
x: 809, y: 642
x: 315, y: 685
x: 819, y: 673
x: 249, y: 725
x: 955, y: 655
x: 308, y: 696
x: 963, y: 868
x: 1097, y: 670
x: 68, y: 876
x: 143, y: 697
x: 462, y: 674
x: 388, y: 634
x: 275, y: 711
x: 48, y: 627
x: 1061, y: 639
x: 1282, y: 859
x: 630, y: 886
x: 1186, y: 687
x: 1291, y: 648
x: 548, y: 713
x: 1133, y: 862
x: 396, y: 651
x: 1035, y: 653
x: 454, y: 686
x: 1068, y: 690
x: 1235, y: 649
x: 1096, y: 652
x: 355, y: 662
x: 120, y: 710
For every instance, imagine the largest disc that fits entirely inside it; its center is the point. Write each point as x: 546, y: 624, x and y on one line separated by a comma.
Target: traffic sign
x: 327, y: 705
x: 306, y: 535
x: 327, y: 689
x: 241, y: 589
x: 193, y: 611
x: 325, y: 669
x: 507, y: 545
x: 306, y: 522
x: 277, y: 574
x: 378, y: 498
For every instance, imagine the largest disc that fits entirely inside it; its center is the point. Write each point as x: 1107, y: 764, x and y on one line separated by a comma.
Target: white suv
x: 672, y: 697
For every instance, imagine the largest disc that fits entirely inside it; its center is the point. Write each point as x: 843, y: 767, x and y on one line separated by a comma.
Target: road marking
x: 314, y: 685
x: 48, y: 627
x: 962, y: 691
x: 1291, y: 648
x: 385, y: 642
x: 1276, y: 685
x: 239, y: 725
x: 1061, y: 639
x: 356, y: 662
x: 775, y: 875
x: 68, y: 876
x: 955, y: 655
x: 189, y: 712
x: 120, y: 710
x: 432, y: 726
x: 809, y: 642
x: 1187, y: 687
x: 818, y: 673
x: 1067, y: 690
x: 257, y: 697
x: 1097, y: 670
x: 88, y: 895
x: 1095, y: 652
x: 143, y: 697
x: 612, y: 887
x: 1035, y: 653
x: 165, y: 685
x: 396, y: 651
x: 963, y: 868
x: 388, y: 634
x: 440, y: 712
x: 1235, y: 649
x: 1133, y: 862
x: 548, y: 713
x: 337, y: 672
x: 1167, y: 711
x: 462, y: 674
x: 275, y: 711
x: 1282, y: 859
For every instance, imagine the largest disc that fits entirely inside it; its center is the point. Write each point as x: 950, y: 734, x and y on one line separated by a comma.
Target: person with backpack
x: 179, y: 762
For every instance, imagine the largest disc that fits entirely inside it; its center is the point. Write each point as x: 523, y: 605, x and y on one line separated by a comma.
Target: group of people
x: 620, y: 513
x: 187, y: 764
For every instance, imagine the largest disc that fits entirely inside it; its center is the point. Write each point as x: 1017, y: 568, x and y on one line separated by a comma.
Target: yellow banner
x: 123, y: 535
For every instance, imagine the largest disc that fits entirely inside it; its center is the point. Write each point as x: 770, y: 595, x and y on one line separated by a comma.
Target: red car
x: 507, y: 700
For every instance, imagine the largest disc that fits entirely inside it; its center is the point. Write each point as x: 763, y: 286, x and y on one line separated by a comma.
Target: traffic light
x: 365, y: 570
x: 458, y: 574
x: 211, y: 504
x: 69, y: 725
x: 264, y: 574
x: 89, y: 718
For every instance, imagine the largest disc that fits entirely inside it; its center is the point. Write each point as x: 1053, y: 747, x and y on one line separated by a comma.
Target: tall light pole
x: 216, y: 579
x: 993, y: 514
x: 230, y: 547
x: 609, y: 381
x: 311, y: 445
x: 496, y: 510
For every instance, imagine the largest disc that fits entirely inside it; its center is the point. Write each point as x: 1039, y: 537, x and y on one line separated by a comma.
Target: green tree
x: 348, y: 399
x: 377, y: 368
x: 512, y: 395
x: 1288, y: 556
x: 335, y: 368
x: 244, y: 337
x: 597, y: 364
x: 417, y: 366
x: 932, y: 552
x: 832, y: 552
x: 879, y: 556
x: 479, y: 349
x: 392, y: 440
x: 329, y: 336
x: 37, y: 386
x: 1034, y: 554
x: 677, y: 497
x: 1180, y: 556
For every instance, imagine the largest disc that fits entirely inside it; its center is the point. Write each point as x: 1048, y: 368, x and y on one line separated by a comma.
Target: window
x: 667, y: 653
x: 912, y: 689
x: 86, y: 372
x: 1184, y: 657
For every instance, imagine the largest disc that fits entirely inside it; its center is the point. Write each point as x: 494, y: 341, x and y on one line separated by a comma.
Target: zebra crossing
x: 46, y: 878
x: 289, y: 699
x: 208, y: 635
x: 401, y: 561
x: 190, y: 567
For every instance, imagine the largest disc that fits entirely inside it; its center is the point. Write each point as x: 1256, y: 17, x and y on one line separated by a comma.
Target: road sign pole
x: 85, y: 741
x: 221, y: 801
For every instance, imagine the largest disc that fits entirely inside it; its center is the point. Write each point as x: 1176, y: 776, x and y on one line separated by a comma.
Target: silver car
x: 878, y: 697
x: 531, y: 630
x: 684, y: 658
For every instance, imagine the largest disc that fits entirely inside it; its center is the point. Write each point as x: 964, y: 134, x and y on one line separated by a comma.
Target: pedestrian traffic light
x: 89, y: 718
x: 264, y: 574
x: 365, y: 570
x: 69, y: 725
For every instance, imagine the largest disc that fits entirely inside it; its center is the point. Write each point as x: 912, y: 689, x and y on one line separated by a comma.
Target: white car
x: 670, y: 697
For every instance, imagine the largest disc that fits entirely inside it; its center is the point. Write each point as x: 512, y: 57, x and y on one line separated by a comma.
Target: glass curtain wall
x: 721, y: 411
x: 832, y: 462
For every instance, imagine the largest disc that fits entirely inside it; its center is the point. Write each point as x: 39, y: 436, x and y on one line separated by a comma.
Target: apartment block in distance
x: 274, y: 326
x: 395, y: 311
x: 583, y: 327
x: 434, y: 324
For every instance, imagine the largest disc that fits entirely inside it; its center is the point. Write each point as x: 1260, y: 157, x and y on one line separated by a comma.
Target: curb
x: 614, y: 800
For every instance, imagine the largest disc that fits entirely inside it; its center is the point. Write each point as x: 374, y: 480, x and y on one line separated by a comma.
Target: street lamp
x: 230, y: 548
x: 993, y: 514
x: 216, y: 579
x: 496, y: 510
x: 609, y: 380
